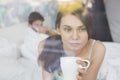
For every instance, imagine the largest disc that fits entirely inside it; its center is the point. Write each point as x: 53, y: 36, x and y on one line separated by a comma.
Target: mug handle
x: 84, y: 67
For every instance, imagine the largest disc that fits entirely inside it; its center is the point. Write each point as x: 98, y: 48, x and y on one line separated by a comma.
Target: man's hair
x: 35, y: 16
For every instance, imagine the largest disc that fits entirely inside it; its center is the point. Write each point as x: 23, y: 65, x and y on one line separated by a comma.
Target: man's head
x: 36, y: 21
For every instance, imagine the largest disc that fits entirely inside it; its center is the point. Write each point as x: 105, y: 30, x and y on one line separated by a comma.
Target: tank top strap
x: 90, y: 49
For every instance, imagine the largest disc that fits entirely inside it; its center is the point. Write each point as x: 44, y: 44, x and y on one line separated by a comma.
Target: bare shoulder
x: 99, y: 50
x: 97, y: 58
x: 99, y: 46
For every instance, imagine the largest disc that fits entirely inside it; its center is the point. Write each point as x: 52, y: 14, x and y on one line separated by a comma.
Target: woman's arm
x: 96, y: 61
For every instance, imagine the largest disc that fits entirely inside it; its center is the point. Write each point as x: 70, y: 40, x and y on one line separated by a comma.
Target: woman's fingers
x: 81, y: 71
x: 83, y: 63
x: 81, y: 74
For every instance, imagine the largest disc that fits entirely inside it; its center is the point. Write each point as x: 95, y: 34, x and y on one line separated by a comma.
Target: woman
x: 73, y: 25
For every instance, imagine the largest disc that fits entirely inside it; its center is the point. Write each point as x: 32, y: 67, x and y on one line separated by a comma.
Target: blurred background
x: 13, y: 23
x: 16, y: 11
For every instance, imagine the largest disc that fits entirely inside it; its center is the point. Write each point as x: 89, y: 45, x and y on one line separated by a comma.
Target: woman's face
x: 73, y: 33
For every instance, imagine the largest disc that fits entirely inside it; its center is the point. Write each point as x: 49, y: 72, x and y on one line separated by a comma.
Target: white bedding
x: 26, y: 69
x: 110, y: 69
x: 8, y: 49
x: 29, y: 48
x: 19, y: 61
x: 13, y: 66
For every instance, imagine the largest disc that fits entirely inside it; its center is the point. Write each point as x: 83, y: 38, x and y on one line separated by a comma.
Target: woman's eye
x: 67, y: 29
x: 82, y: 29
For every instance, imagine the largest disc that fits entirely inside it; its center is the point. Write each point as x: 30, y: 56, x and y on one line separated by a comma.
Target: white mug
x: 69, y: 67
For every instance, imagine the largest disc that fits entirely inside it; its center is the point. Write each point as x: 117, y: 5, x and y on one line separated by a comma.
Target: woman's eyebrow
x: 66, y: 25
x: 70, y: 26
x: 81, y: 26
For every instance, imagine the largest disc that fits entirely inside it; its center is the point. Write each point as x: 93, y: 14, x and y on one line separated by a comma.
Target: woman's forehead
x: 71, y: 20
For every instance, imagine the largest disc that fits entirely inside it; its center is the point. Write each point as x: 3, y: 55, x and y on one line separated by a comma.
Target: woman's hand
x: 81, y: 72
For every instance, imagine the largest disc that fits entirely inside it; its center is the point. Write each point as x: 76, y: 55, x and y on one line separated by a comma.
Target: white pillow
x: 10, y: 68
x: 8, y: 49
x: 14, y: 33
x: 110, y: 69
x: 112, y: 50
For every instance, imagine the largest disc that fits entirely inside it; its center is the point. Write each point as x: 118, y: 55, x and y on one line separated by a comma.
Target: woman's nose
x: 75, y: 35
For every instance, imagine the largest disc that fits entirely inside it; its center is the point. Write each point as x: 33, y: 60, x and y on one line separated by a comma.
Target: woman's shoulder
x: 99, y: 49
x: 98, y: 53
x: 99, y: 45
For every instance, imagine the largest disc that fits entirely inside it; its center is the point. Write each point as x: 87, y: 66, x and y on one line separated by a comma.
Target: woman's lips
x: 75, y: 44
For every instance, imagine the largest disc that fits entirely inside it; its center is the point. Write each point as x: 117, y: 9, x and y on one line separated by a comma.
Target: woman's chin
x: 75, y: 49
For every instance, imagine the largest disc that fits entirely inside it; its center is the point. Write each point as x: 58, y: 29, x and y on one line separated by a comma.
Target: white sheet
x: 8, y: 49
x: 110, y: 69
x: 27, y: 69
x: 31, y: 70
x: 29, y: 48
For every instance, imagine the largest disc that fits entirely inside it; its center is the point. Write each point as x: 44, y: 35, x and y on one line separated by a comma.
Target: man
x: 36, y: 23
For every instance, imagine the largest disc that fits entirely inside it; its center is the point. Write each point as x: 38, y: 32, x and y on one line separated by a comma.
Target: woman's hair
x: 51, y: 53
x: 78, y: 9
x: 53, y: 48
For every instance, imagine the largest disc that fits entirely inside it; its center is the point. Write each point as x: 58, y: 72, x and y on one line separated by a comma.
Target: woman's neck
x: 85, y: 49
